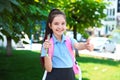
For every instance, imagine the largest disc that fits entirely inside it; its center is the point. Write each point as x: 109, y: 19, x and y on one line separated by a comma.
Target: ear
x: 49, y: 25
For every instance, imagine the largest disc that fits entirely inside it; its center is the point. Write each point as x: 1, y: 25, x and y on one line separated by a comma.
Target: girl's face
x: 58, y: 25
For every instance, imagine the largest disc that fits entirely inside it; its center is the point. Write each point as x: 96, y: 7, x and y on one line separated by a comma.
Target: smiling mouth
x: 60, y: 30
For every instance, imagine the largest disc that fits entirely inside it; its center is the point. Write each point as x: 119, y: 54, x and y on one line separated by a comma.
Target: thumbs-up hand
x: 89, y: 45
x: 47, y: 43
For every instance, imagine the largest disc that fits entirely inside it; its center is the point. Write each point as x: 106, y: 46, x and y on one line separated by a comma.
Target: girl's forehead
x: 59, y: 17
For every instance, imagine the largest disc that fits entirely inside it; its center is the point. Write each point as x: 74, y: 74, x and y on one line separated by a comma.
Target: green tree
x: 18, y: 17
x: 82, y: 14
x: 6, y: 22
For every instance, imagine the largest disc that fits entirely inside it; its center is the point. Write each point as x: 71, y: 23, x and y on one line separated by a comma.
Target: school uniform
x: 61, y: 61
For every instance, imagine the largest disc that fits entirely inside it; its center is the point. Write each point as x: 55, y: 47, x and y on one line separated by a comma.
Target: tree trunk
x: 75, y: 32
x: 9, y: 46
x: 75, y: 36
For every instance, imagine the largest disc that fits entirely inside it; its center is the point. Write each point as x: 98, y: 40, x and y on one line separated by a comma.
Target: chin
x: 60, y: 33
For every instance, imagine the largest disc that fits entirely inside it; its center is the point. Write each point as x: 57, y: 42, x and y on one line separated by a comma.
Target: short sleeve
x: 43, y: 51
x: 73, y: 42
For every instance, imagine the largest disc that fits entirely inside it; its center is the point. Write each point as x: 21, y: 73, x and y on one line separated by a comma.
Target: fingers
x: 89, y: 45
x: 46, y: 44
x: 88, y: 40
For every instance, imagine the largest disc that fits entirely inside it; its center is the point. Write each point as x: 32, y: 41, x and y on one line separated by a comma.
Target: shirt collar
x: 56, y: 41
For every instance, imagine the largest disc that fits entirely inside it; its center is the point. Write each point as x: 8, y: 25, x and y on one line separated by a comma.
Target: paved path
x: 34, y: 46
x: 115, y: 56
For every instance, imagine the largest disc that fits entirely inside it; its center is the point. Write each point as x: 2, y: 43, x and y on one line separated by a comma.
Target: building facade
x: 118, y: 14
x: 110, y: 22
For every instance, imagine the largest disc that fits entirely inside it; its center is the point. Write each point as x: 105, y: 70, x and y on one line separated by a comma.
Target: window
x: 118, y: 6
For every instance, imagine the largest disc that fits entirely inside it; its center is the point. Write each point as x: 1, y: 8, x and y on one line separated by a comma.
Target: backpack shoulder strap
x: 69, y: 46
x: 51, y: 49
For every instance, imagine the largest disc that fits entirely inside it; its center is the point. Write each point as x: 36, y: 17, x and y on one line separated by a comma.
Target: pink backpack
x: 69, y: 46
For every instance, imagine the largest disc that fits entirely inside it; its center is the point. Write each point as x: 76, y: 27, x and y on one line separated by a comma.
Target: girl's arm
x: 47, y: 58
x: 82, y: 46
x: 48, y: 63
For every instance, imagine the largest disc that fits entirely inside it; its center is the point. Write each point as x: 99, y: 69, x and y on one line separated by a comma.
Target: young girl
x: 59, y: 67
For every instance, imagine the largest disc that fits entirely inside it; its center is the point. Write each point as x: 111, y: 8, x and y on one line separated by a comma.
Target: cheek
x: 65, y: 28
x: 53, y: 28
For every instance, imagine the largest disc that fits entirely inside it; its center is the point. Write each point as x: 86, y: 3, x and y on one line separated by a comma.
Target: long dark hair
x: 51, y: 16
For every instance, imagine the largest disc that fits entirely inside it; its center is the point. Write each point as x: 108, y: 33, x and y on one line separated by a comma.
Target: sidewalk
x: 114, y: 56
x: 34, y: 46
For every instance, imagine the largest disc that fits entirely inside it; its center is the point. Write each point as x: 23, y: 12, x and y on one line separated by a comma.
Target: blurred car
x: 103, y: 44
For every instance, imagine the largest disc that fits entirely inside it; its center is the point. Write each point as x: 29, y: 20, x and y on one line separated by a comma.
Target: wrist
x: 85, y: 46
x: 46, y: 54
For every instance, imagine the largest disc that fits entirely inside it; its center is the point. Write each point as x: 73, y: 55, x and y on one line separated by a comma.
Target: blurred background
x: 22, y: 29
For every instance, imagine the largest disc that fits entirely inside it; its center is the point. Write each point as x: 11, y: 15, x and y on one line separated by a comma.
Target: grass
x: 99, y: 68
x: 25, y: 65
x: 22, y: 65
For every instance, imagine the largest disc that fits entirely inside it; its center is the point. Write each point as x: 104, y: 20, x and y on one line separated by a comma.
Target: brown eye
x: 56, y: 23
x: 63, y: 23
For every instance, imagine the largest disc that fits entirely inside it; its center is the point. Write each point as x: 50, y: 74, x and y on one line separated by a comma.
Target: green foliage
x: 85, y: 13
x: 6, y: 4
x: 19, y: 16
x: 1, y: 38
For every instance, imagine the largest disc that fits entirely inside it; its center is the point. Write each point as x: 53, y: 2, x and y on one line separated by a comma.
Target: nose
x: 60, y: 26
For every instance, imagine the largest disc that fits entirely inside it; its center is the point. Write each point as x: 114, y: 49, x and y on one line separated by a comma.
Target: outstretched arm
x: 87, y: 45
